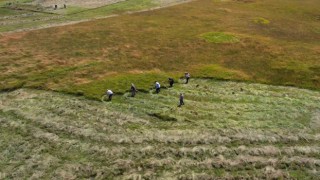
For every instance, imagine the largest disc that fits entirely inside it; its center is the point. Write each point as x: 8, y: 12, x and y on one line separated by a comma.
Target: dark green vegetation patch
x: 261, y: 20
x: 219, y: 37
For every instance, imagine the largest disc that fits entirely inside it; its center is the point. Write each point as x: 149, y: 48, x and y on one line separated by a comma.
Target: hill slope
x: 22, y: 15
x: 274, y: 42
x: 225, y: 130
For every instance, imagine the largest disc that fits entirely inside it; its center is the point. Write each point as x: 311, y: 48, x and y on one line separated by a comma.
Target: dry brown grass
x: 52, y: 135
x: 70, y: 58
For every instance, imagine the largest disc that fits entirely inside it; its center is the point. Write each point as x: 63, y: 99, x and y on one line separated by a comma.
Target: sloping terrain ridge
x: 226, y: 130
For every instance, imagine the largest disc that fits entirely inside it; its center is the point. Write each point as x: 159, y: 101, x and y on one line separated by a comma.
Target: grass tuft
x: 163, y: 117
x: 219, y: 37
x: 261, y: 21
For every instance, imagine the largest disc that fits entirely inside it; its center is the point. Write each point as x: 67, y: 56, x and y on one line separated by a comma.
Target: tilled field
x: 226, y: 130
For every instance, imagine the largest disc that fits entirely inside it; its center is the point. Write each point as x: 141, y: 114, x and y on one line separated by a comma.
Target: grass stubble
x: 225, y: 130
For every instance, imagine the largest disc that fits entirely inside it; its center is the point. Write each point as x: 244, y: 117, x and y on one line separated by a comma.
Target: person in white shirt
x: 157, y: 86
x: 187, y: 76
x: 110, y: 94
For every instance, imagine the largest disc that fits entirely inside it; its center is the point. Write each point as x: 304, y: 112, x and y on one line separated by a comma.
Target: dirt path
x: 79, y: 3
x: 164, y: 4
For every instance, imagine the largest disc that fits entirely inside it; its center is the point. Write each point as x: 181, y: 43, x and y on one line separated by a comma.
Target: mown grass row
x: 52, y: 135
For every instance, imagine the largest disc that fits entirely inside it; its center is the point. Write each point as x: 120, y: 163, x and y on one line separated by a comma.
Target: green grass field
x: 224, y: 130
x: 21, y: 15
x: 152, y: 45
x: 252, y: 105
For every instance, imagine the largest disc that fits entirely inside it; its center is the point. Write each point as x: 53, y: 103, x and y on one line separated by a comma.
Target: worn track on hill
x: 226, y: 130
x: 61, y: 20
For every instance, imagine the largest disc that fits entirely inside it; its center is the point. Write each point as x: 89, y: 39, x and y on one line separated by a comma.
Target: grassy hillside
x: 24, y: 15
x: 275, y: 42
x: 225, y: 130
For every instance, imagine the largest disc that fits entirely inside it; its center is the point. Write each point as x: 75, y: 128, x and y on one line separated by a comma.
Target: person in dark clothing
x: 187, y: 76
x: 181, y: 98
x: 133, y: 90
x: 171, y: 82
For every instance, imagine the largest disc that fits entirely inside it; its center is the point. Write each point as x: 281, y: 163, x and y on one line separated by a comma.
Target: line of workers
x: 134, y: 90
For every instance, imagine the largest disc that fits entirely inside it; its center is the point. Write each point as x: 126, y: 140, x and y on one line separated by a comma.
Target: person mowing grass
x: 187, y: 76
x: 157, y: 86
x: 110, y: 94
x: 181, y: 98
x: 133, y: 90
x: 171, y: 82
